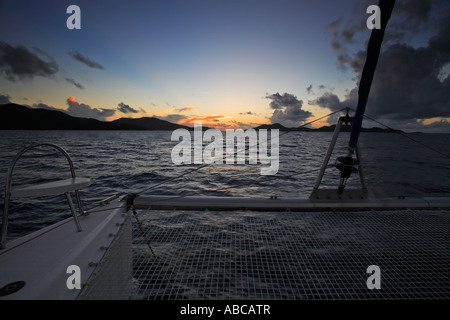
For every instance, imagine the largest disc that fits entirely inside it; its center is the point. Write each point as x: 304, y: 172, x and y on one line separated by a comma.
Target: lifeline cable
x: 265, y: 180
x: 404, y: 135
x: 236, y: 186
x: 205, y: 165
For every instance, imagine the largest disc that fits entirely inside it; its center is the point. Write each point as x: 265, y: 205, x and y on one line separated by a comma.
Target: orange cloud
x: 83, y: 110
x: 206, y: 120
x: 178, y: 110
x: 433, y: 120
x: 182, y: 109
x: 71, y: 99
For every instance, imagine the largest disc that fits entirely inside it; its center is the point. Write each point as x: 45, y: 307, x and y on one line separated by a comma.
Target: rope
x: 236, y: 186
x: 406, y: 136
x: 133, y: 195
x: 235, y: 153
x: 272, y: 178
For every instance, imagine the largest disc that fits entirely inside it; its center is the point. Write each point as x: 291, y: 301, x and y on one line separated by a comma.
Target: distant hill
x: 280, y: 127
x: 344, y: 128
x: 147, y: 123
x: 17, y: 117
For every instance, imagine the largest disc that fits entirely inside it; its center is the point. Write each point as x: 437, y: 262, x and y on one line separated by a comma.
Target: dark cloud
x: 441, y: 41
x: 331, y: 101
x: 76, y: 84
x: 287, y: 110
x: 19, y: 63
x: 83, y: 59
x: 124, y: 108
x: 408, y: 18
x: 82, y: 110
x: 407, y: 84
x: 4, y: 99
x: 310, y: 89
x: 173, y: 117
x: 335, y: 24
x: 410, y: 82
x: 413, y: 11
x: 343, y: 33
x: 248, y: 113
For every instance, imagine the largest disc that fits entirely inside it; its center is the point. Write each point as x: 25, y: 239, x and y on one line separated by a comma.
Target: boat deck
x: 209, y: 255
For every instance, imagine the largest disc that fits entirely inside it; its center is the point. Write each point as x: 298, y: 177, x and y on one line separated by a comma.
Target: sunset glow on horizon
x: 229, y: 64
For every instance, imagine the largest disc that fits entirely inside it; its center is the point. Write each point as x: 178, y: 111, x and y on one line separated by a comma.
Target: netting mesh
x: 290, y: 255
x: 112, y: 277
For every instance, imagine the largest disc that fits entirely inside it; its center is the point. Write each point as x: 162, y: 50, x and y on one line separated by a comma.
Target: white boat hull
x: 40, y: 260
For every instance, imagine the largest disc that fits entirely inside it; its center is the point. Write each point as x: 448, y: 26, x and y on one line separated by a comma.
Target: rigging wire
x: 285, y: 176
x: 412, y: 139
x: 275, y: 177
x: 206, y: 165
x: 132, y: 196
x: 235, y: 186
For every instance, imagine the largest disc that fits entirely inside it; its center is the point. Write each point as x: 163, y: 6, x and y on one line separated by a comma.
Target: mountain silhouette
x: 344, y: 128
x: 18, y: 117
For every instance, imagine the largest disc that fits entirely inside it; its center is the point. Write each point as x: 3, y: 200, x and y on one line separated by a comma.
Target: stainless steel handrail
x: 8, y: 189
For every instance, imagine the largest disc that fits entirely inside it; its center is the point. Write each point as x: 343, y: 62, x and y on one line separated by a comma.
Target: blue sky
x: 222, y: 62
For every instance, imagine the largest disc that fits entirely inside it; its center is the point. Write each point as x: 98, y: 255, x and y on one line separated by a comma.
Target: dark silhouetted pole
x: 373, y: 52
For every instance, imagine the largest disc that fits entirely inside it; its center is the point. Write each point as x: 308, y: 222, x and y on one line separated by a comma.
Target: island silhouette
x: 18, y: 117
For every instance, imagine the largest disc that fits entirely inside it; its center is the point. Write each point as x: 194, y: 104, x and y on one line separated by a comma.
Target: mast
x: 347, y: 165
x: 373, y: 52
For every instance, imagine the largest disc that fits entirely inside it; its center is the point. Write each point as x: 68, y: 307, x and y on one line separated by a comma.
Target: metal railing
x: 8, y: 190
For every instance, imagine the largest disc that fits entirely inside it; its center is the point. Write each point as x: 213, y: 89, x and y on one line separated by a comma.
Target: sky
x: 227, y: 63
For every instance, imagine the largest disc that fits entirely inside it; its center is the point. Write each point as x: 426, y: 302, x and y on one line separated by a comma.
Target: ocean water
x: 119, y: 162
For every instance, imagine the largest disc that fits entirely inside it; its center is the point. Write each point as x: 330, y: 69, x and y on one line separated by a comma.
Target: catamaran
x: 335, y: 243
